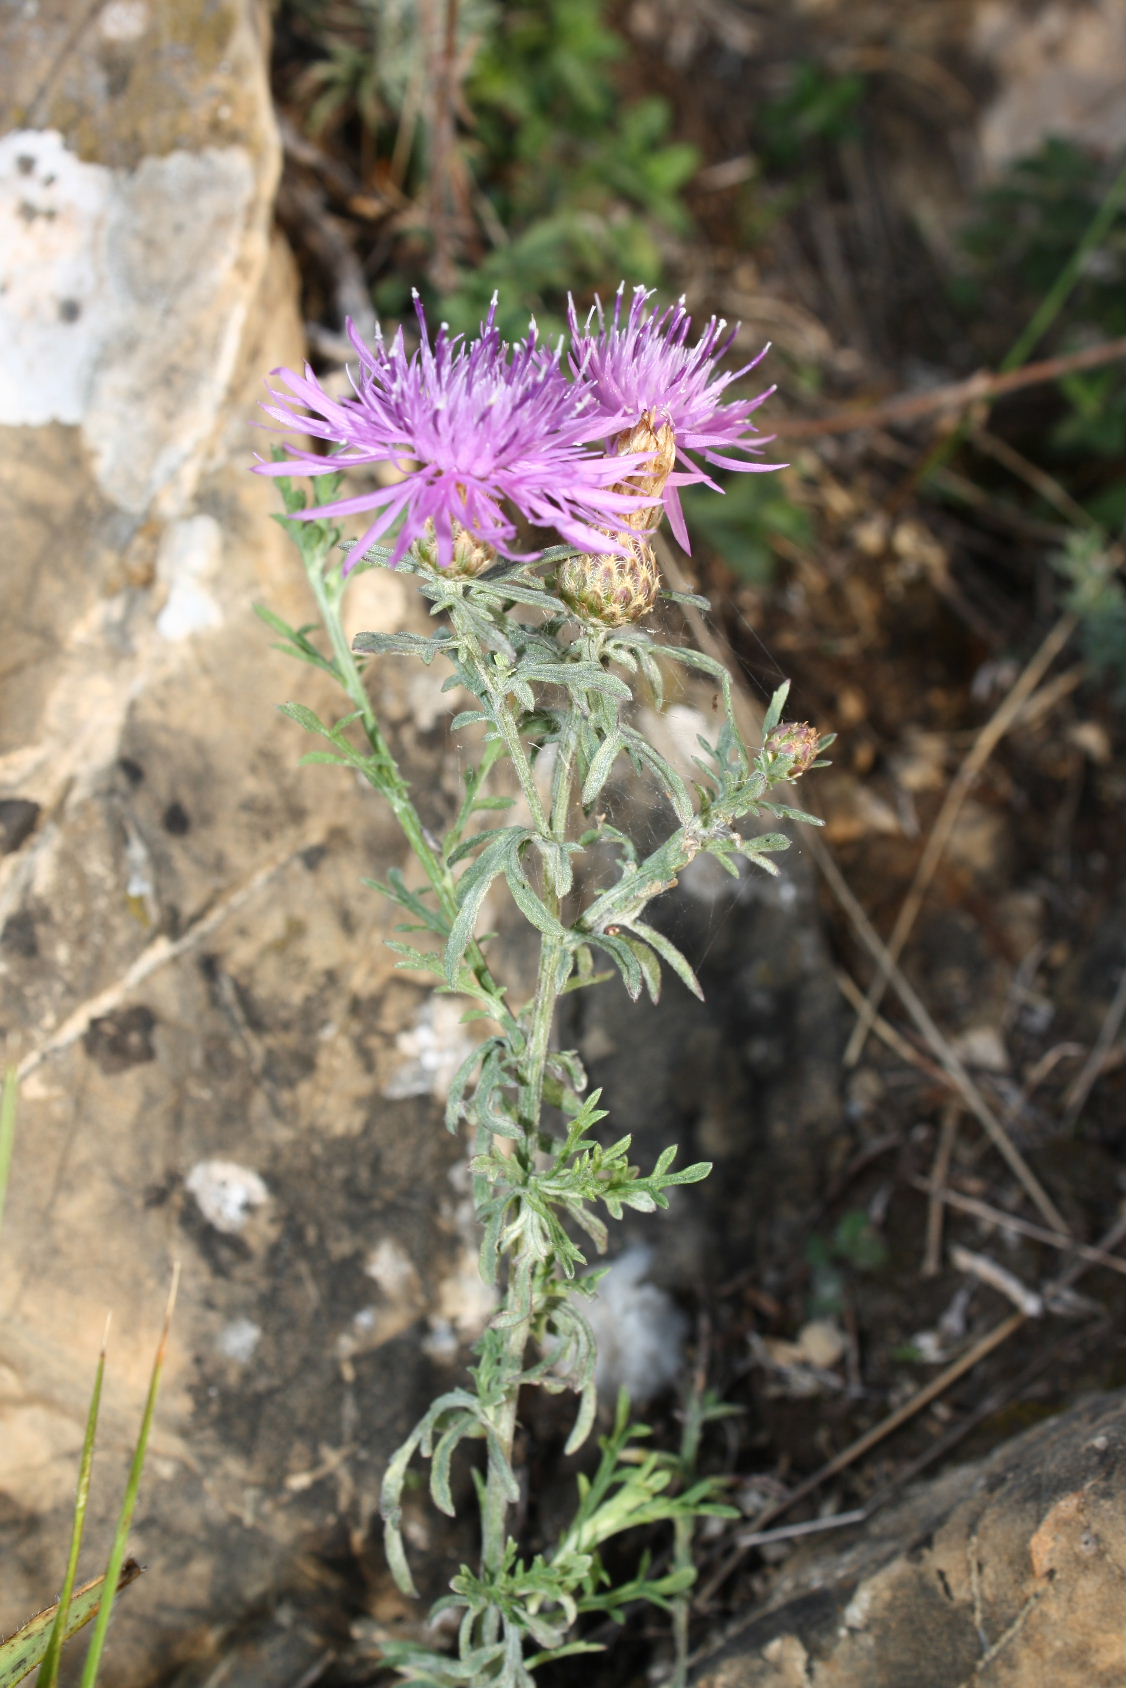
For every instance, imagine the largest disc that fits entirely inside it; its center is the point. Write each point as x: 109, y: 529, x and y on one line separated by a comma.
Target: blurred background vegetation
x: 841, y: 181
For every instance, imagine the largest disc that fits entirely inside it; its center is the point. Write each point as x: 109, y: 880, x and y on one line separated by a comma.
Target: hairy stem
x: 329, y: 593
x: 519, y: 1296
x: 503, y: 719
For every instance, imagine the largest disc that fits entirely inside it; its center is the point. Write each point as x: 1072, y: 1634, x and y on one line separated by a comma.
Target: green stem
x: 328, y: 593
x: 391, y: 781
x: 502, y: 719
x: 494, y: 1537
x: 494, y: 1512
x: 684, y: 1526
x: 1059, y: 292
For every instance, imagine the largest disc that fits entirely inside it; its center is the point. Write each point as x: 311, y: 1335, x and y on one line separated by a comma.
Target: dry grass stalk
x: 948, y: 1132
x: 1012, y: 1222
x: 957, y: 395
x: 750, y: 722
x: 953, y: 1066
x: 982, y: 749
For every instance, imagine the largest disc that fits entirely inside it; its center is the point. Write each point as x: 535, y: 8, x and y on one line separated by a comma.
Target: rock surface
x: 219, y: 1067
x: 1006, y: 1574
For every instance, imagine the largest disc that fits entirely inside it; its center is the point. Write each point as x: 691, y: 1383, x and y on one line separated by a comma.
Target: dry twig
x: 864, y: 1444
x: 1080, y: 1087
x: 948, y: 1132
x: 957, y: 395
x: 1011, y: 1222
x: 750, y: 722
x: 952, y: 1064
x: 1006, y: 1283
x: 886, y: 1032
x: 983, y: 747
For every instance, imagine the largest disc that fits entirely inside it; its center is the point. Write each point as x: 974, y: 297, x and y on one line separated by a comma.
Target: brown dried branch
x: 939, y: 1192
x: 982, y: 749
x: 957, y: 395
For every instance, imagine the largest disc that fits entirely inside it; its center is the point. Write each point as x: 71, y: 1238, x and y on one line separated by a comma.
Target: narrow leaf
x: 21, y: 1652
x: 624, y: 960
x: 49, y: 1669
x: 774, y: 712
x: 529, y: 904
x: 668, y: 953
x: 472, y: 890
x: 600, y: 768
x: 305, y: 717
x: 129, y: 1502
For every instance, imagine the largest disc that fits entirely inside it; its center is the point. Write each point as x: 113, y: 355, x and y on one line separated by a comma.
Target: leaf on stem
x: 473, y: 887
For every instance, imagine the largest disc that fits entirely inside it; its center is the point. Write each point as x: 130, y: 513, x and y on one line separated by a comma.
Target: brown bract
x: 647, y: 435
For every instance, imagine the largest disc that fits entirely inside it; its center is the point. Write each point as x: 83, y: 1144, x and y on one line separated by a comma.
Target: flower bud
x: 470, y: 556
x: 612, y: 590
x: 796, y: 740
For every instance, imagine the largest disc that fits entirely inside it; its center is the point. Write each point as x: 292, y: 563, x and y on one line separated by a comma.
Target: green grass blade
x: 21, y: 1652
x: 8, y: 1100
x: 128, y: 1504
x: 49, y: 1669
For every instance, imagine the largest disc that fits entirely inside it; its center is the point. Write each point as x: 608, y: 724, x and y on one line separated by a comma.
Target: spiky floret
x: 476, y: 432
x: 642, y: 366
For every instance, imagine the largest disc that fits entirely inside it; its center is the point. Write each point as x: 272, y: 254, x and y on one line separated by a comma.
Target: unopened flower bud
x: 797, y: 740
x: 470, y: 556
x: 610, y: 589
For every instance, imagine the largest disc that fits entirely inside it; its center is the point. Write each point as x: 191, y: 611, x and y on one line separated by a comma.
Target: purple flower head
x: 476, y: 430
x: 644, y: 367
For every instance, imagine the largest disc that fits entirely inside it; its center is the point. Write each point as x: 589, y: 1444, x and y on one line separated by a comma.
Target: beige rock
x: 191, y: 973
x: 1006, y: 1574
x: 1059, y: 72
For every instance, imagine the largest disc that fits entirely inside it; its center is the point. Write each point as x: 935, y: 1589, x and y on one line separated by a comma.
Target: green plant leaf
x: 49, y: 1669
x: 472, y: 890
x: 129, y: 1501
x: 23, y: 1651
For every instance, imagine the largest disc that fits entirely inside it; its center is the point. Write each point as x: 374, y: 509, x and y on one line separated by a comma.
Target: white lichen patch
x: 189, y: 557
x: 430, y: 1051
x: 390, y: 1267
x: 87, y: 255
x: 639, y: 1329
x: 226, y: 1193
x: 124, y: 20
x: 238, y: 1339
x: 55, y: 314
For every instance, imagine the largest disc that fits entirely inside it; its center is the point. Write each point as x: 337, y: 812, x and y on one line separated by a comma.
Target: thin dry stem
x: 750, y: 723
x: 946, y: 1197
x: 952, y: 1064
x: 932, y: 1254
x: 956, y: 395
x: 1081, y: 1086
x: 981, y: 750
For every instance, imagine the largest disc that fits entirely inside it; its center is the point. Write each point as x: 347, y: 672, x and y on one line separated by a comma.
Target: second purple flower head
x: 643, y: 367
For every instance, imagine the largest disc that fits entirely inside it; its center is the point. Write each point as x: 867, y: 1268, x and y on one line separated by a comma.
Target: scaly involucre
x: 644, y: 367
x: 476, y: 430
